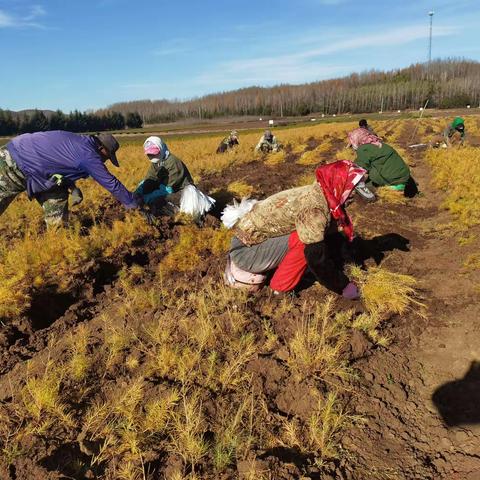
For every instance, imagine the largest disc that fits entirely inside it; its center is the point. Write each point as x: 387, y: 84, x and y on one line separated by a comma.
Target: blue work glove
x: 139, y: 190
x: 161, y: 191
x: 350, y: 292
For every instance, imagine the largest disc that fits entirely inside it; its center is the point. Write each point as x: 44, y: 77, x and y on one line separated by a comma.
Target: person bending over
x: 287, y: 233
x: 47, y: 164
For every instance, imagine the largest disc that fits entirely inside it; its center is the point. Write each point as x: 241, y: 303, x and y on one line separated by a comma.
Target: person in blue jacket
x: 47, y: 164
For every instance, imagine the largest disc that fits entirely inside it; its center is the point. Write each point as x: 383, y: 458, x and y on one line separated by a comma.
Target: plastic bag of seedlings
x: 233, y: 213
x: 194, y: 202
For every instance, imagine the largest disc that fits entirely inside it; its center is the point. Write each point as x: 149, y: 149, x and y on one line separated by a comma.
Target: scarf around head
x: 361, y: 136
x: 337, y: 180
x: 155, y: 146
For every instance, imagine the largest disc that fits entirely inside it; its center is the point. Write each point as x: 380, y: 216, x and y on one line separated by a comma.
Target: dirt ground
x: 419, y: 398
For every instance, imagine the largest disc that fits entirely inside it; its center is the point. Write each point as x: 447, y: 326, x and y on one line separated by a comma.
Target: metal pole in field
x: 430, y: 14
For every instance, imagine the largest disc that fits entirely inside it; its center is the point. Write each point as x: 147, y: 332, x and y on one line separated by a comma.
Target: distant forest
x: 445, y: 83
x: 12, y: 123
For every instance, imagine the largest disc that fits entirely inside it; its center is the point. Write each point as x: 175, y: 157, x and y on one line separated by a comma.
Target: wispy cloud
x: 30, y: 19
x: 399, y: 36
x: 309, y: 64
x: 173, y: 47
x: 331, y: 2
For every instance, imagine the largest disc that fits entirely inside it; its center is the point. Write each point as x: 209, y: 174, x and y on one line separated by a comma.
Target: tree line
x: 38, y: 121
x: 445, y: 83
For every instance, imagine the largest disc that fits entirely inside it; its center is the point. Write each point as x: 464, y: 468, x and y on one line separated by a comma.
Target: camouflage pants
x: 12, y: 182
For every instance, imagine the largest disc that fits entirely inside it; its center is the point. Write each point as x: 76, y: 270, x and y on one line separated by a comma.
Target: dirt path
x: 421, y: 396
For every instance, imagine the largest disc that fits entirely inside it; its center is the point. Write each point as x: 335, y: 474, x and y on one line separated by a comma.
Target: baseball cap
x: 111, y: 145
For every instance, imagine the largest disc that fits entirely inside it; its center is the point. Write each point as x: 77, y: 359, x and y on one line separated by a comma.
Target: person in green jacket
x: 165, y: 179
x: 384, y: 165
x: 168, y: 186
x: 453, y: 130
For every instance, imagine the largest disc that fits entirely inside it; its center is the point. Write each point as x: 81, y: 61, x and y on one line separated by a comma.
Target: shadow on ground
x: 458, y: 402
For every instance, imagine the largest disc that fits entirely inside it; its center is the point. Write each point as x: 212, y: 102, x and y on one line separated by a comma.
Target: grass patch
x: 240, y: 189
x: 191, y: 249
x: 387, y: 195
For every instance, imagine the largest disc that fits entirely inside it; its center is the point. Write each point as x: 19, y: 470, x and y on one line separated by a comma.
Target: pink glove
x: 351, y: 292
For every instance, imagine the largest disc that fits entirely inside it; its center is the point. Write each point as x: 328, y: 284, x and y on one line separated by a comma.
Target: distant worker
x: 268, y: 143
x: 384, y: 165
x: 228, y: 142
x: 455, y: 132
x: 287, y: 233
x: 364, y: 124
x: 168, y: 186
x: 47, y: 164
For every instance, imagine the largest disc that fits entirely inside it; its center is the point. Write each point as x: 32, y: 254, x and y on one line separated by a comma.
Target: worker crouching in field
x: 454, y: 134
x: 168, y: 186
x: 364, y: 124
x: 47, y: 164
x: 268, y: 143
x: 228, y: 142
x: 385, y: 167
x: 287, y: 233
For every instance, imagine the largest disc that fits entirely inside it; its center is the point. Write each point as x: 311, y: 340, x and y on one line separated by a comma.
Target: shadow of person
x: 222, y: 199
x: 358, y: 252
x: 375, y: 248
x: 458, y: 402
x: 411, y: 188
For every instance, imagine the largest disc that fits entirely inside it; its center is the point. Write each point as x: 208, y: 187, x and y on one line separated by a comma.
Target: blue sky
x: 86, y: 54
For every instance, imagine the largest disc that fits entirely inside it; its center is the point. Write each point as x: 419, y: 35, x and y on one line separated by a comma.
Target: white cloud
x: 28, y: 19
x: 6, y: 20
x: 307, y: 64
x: 331, y: 2
x: 397, y: 36
x: 175, y: 46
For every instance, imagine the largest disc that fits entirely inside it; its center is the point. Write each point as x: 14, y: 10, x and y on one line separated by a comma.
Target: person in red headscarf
x: 286, y: 232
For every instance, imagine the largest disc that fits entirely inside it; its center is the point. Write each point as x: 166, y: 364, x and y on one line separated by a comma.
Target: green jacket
x: 383, y: 164
x: 171, y: 172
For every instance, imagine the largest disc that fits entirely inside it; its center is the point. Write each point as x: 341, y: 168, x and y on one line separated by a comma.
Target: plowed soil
x: 419, y: 397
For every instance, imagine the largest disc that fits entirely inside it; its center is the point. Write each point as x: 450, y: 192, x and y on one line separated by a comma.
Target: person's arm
x: 364, y: 158
x: 178, y: 174
x: 95, y: 167
x: 319, y: 260
x: 259, y: 144
x: 312, y: 226
x: 446, y: 136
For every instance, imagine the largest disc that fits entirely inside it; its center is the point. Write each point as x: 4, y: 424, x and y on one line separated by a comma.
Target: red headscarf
x: 361, y: 136
x: 337, y: 180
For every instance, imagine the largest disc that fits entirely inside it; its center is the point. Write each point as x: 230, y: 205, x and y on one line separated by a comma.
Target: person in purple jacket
x: 47, y: 165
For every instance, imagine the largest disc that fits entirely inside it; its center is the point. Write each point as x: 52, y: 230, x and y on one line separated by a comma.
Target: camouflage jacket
x: 303, y: 209
x: 273, y: 143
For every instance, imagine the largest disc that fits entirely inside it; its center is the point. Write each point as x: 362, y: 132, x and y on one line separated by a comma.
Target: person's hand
x: 351, y: 292
x: 149, y: 218
x: 138, y: 197
x: 76, y: 196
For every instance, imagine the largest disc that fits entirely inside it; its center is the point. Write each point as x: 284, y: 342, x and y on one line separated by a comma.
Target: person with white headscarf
x: 169, y: 184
